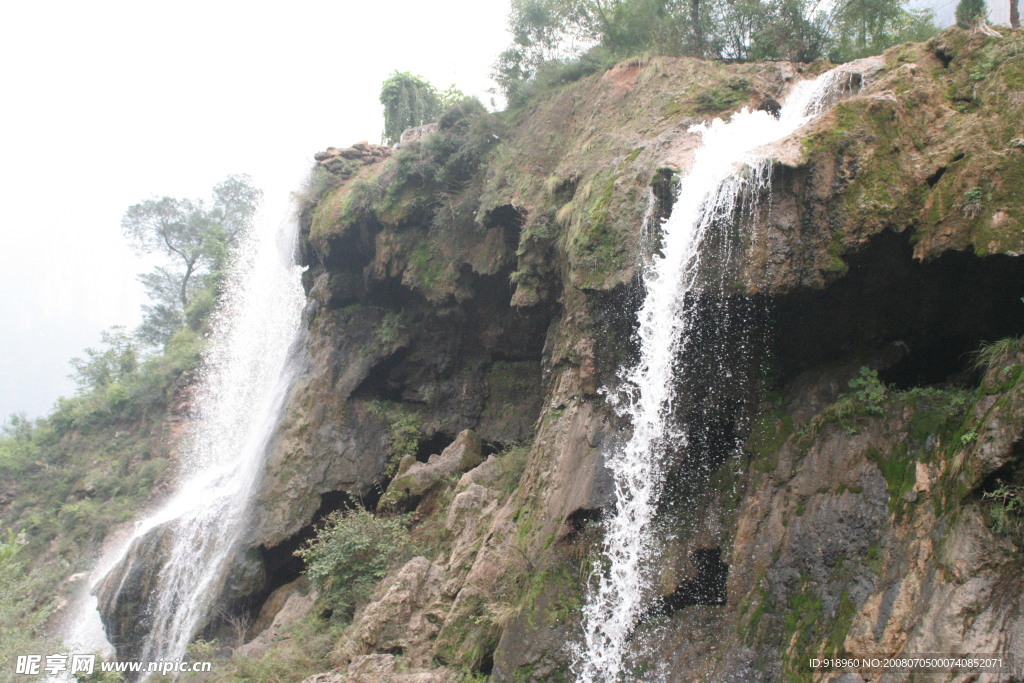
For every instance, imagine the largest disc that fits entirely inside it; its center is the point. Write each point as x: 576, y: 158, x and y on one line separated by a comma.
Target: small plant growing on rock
x: 352, y: 552
x: 869, y: 390
x: 971, y: 203
x: 1007, y: 511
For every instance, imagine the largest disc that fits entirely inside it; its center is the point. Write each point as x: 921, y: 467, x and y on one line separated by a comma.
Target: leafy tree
x: 791, y: 30
x: 555, y: 31
x: 970, y: 12
x: 408, y: 101
x: 106, y: 366
x: 866, y: 27
x: 196, y: 238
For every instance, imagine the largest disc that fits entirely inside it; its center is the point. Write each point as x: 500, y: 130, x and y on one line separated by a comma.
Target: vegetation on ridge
x: 583, y: 35
x: 100, y: 455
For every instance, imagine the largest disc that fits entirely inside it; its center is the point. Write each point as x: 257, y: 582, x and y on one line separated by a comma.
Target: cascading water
x: 726, y: 167
x: 247, y: 373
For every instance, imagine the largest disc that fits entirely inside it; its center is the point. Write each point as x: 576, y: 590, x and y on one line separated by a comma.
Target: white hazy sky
x: 108, y: 103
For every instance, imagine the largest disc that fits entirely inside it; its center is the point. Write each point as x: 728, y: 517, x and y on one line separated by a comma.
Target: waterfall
x: 727, y: 166
x: 246, y: 373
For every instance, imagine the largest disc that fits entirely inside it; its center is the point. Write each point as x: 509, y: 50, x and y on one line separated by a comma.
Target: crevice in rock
x: 578, y: 522
x: 379, y: 384
x: 707, y: 587
x: 935, y: 177
x: 510, y: 220
x: 924, y: 319
x: 433, y: 444
x: 1011, y: 473
x: 665, y: 186
x: 282, y: 566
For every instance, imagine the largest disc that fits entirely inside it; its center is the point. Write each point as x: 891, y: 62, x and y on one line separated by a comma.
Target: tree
x: 970, y: 13
x: 549, y: 32
x: 197, y: 240
x: 861, y: 28
x: 105, y: 366
x: 1014, y: 14
x: 408, y: 101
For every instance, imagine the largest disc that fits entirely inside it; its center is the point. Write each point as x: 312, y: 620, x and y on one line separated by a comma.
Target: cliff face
x: 484, y: 279
x: 474, y: 291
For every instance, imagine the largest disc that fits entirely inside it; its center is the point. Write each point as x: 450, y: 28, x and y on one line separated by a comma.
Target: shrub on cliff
x: 351, y: 553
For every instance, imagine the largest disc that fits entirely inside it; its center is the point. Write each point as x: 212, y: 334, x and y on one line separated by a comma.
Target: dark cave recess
x: 935, y: 314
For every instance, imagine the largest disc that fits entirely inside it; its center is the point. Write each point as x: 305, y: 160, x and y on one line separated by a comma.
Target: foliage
x: 23, y: 612
x: 102, y: 367
x: 588, y: 32
x: 970, y: 12
x: 318, y: 183
x: 869, y: 390
x: 197, y: 239
x: 408, y: 101
x: 404, y: 432
x: 866, y: 27
x: 998, y: 353
x: 510, y: 465
x: 300, y: 650
x: 1007, y: 510
x: 352, y: 552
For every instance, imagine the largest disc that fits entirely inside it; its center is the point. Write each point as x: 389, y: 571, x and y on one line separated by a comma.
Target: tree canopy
x: 970, y: 12
x: 410, y: 101
x: 546, y: 31
x: 196, y: 237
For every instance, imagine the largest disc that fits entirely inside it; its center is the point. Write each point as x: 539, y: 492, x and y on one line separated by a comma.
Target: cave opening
x: 432, y: 444
x: 921, y: 322
x: 281, y: 564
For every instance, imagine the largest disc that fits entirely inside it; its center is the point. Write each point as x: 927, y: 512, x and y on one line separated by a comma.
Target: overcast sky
x: 108, y: 103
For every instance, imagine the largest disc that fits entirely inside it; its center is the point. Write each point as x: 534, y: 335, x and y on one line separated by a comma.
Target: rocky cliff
x: 472, y: 293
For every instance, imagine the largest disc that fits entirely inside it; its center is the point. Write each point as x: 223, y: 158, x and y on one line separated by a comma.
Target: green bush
x: 1007, y: 511
x: 869, y: 390
x: 352, y: 552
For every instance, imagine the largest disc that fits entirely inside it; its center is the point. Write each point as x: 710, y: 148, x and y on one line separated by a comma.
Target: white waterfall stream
x: 246, y: 374
x: 729, y: 163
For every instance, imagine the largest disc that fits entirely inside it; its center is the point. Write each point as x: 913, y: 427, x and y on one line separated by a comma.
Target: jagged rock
x: 296, y: 606
x: 824, y: 538
x: 384, y: 668
x: 246, y: 576
x: 334, y: 159
x: 485, y: 474
x: 123, y: 595
x: 406, y: 613
x: 411, y: 135
x: 468, y: 518
x: 327, y: 677
x: 275, y: 602
x: 408, y: 487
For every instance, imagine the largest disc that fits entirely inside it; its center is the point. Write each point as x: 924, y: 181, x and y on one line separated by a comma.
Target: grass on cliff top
x: 934, y: 145
x: 580, y: 158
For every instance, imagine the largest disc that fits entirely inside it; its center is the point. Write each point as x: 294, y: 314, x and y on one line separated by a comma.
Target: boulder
x: 296, y: 607
x: 407, y: 613
x: 419, y: 478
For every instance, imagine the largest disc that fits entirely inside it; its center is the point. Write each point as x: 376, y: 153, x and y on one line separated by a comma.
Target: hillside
x: 849, y: 394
